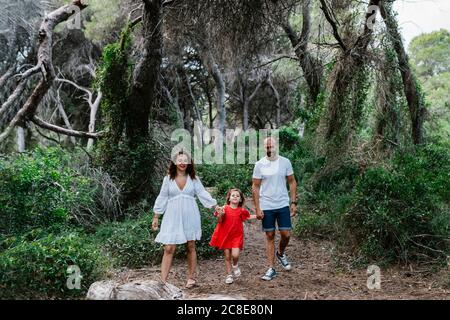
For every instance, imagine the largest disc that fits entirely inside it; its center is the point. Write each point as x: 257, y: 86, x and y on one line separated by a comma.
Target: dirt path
x: 313, y: 275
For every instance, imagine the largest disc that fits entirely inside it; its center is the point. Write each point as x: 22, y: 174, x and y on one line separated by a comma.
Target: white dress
x: 181, y: 219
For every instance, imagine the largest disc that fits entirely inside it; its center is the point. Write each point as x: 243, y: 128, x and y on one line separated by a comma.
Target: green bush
x: 50, y: 188
x: 130, y: 243
x: 38, y: 190
x: 226, y: 176
x: 289, y: 139
x: 403, y: 212
x: 38, y: 269
x: 204, y: 250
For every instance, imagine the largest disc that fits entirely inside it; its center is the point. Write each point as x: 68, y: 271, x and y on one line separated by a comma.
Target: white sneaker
x: 229, y: 279
x: 236, y: 271
x: 283, y: 261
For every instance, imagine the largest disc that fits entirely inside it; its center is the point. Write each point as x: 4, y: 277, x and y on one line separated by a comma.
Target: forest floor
x: 314, y: 275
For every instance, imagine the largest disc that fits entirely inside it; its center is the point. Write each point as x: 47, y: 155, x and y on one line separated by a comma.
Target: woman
x: 181, y: 220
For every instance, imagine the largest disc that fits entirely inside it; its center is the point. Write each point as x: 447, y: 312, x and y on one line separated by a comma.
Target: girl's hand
x: 293, y: 209
x: 219, y: 210
x: 155, y: 223
x: 259, y: 214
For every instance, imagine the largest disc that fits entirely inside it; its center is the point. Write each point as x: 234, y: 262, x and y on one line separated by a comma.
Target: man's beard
x: 269, y: 153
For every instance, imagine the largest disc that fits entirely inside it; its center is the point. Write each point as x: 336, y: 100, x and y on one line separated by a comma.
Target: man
x: 272, y: 203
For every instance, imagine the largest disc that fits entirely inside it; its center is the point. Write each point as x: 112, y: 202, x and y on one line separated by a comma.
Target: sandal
x: 191, y: 283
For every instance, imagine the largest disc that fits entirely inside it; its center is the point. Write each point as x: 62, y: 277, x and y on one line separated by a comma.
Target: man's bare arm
x: 255, y: 192
x: 293, y: 193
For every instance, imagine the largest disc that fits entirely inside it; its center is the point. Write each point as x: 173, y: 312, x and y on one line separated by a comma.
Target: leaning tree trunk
x: 347, y: 87
x: 388, y: 118
x: 413, y: 96
x: 45, y: 66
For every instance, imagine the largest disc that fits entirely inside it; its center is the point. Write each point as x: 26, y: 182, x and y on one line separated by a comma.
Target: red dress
x: 229, y: 233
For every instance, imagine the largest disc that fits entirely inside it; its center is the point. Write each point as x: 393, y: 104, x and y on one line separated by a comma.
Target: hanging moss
x: 130, y: 164
x: 348, y: 87
x: 113, y: 79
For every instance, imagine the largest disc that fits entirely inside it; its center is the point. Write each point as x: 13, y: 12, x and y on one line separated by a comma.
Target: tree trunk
x: 145, y: 77
x: 20, y: 139
x: 44, y: 64
x: 92, y: 117
x: 220, y: 87
x: 388, y: 119
x: 245, y: 120
x: 347, y: 85
x: 184, y: 98
x: 413, y: 96
x: 278, y: 102
x: 311, y: 66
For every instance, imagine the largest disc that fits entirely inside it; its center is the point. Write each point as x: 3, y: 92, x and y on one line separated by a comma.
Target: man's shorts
x: 282, y: 216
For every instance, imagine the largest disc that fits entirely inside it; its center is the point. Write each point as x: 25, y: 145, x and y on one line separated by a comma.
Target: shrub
x: 403, y: 212
x: 204, y: 250
x: 47, y: 188
x: 226, y: 176
x: 130, y: 243
x: 38, y: 269
x: 37, y: 191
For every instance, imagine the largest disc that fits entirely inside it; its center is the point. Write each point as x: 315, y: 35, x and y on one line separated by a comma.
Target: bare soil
x: 314, y: 275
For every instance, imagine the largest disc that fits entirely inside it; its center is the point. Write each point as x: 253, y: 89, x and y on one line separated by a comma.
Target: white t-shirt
x: 273, y: 193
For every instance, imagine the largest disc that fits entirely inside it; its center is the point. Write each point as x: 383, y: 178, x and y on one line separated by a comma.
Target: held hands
x: 293, y: 208
x: 259, y: 214
x: 220, y: 211
x: 155, y: 223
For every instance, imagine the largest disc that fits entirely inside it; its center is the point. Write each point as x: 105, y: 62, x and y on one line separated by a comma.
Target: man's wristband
x: 294, y: 202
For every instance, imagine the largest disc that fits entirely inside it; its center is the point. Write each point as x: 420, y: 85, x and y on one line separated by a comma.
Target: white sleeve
x: 205, y: 198
x: 257, y: 171
x: 289, y: 170
x: 161, y: 201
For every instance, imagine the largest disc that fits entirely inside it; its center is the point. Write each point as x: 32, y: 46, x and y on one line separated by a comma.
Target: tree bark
x: 346, y: 86
x: 277, y: 99
x: 220, y: 87
x: 93, y: 117
x: 311, y: 66
x: 413, y: 96
x: 74, y: 133
x: 145, y: 77
x: 6, y: 76
x: 45, y: 64
x: 20, y: 139
x: 64, y: 116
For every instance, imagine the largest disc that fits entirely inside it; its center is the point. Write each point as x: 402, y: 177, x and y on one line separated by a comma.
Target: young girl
x: 229, y: 232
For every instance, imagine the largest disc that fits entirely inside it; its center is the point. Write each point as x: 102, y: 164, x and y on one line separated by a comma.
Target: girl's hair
x: 241, y: 203
x: 190, y: 170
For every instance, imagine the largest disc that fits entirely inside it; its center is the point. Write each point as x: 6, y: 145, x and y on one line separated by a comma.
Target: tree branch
x: 333, y: 24
x: 275, y: 59
x: 5, y: 77
x: 13, y: 97
x: 74, y: 133
x: 45, y: 64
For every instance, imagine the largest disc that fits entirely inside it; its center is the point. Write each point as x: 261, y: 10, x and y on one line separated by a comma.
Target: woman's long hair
x: 241, y: 202
x: 190, y: 170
